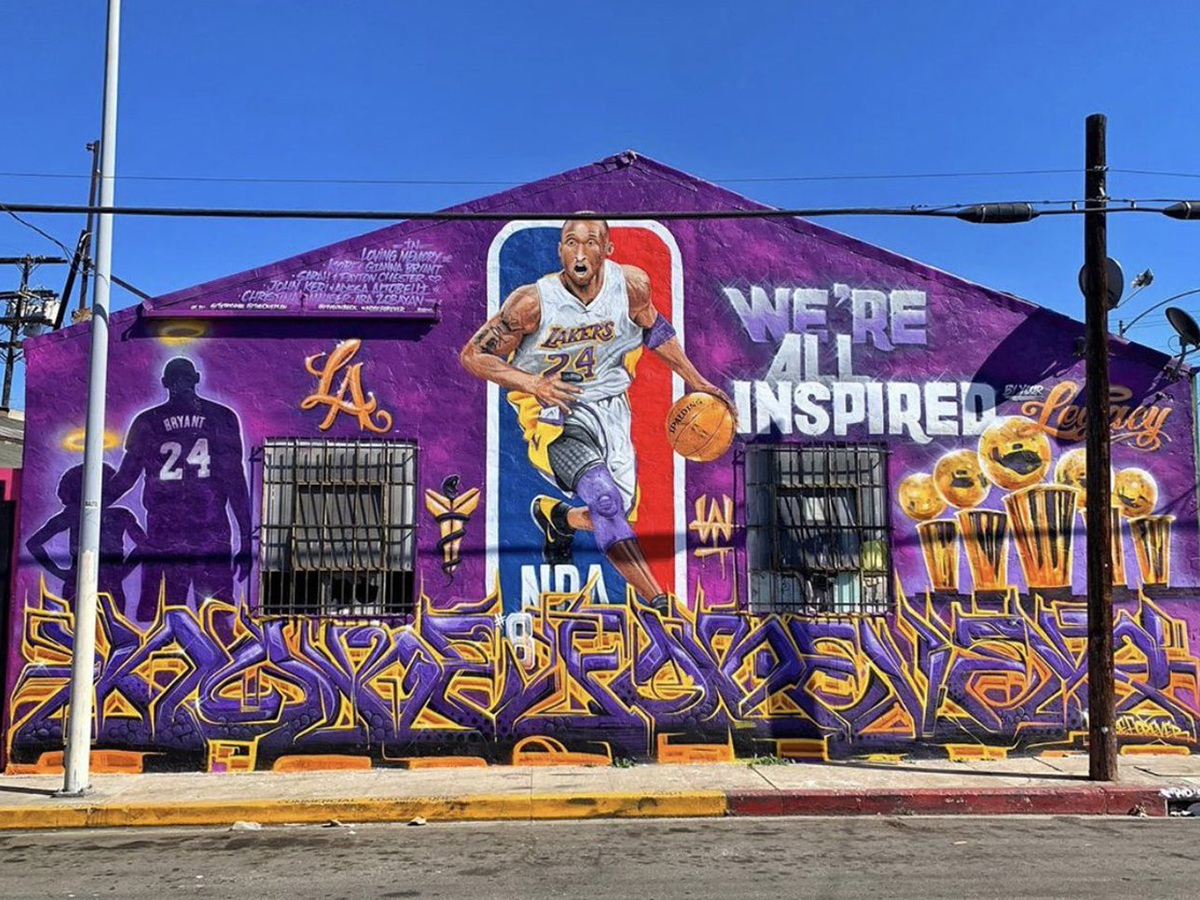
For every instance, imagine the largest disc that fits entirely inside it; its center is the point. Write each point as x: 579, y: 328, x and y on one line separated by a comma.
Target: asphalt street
x: 962, y: 857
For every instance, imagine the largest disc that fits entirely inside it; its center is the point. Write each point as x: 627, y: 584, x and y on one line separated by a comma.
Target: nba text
x: 559, y: 579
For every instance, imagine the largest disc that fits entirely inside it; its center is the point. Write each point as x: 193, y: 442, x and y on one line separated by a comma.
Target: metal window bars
x: 817, y: 528
x: 338, y: 527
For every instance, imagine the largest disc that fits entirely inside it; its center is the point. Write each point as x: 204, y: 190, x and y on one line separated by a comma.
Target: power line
x: 51, y: 238
x: 70, y: 253
x: 902, y: 176
x: 206, y: 179
x: 210, y: 179
x: 468, y: 182
x: 917, y: 211
x: 1158, y: 173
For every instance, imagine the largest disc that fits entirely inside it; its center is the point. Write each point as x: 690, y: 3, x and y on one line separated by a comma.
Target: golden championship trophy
x: 1152, y: 544
x: 1135, y: 494
x: 939, y: 543
x: 960, y: 479
x: 1072, y: 471
x: 1118, y: 549
x: 985, y: 535
x: 922, y: 503
x: 1015, y: 453
x: 1043, y: 523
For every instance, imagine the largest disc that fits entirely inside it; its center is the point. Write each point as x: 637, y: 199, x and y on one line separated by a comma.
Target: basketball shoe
x: 558, y: 537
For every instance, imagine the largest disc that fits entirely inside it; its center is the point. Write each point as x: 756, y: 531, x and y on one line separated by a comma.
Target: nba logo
x: 522, y: 253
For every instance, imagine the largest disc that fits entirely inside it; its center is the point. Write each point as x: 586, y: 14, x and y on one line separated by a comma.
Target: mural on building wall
x: 582, y: 396
x: 1039, y: 516
x: 224, y: 690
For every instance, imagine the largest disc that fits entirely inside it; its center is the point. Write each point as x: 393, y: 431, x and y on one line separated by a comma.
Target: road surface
x: 967, y: 857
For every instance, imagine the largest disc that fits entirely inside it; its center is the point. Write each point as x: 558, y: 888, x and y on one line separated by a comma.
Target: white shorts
x: 608, y: 422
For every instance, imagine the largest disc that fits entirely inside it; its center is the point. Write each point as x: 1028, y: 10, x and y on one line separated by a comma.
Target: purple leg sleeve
x: 597, y: 489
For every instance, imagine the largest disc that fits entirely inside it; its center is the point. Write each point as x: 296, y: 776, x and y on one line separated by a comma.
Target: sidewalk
x: 1033, y: 785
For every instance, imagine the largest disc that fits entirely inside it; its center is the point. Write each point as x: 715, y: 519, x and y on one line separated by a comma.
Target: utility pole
x: 25, y: 310
x: 77, y: 756
x: 1102, y: 735
x: 90, y: 246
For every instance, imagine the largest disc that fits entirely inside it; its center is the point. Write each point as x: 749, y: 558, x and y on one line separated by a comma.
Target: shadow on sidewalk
x: 13, y: 789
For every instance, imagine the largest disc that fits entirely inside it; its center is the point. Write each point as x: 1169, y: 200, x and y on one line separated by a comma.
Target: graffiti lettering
x: 920, y: 412
x: 886, y: 320
x: 350, y: 397
x: 714, y: 527
x: 222, y: 686
x: 1060, y: 416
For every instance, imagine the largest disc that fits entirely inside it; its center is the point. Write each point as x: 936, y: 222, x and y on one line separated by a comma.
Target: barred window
x: 338, y: 527
x: 817, y: 528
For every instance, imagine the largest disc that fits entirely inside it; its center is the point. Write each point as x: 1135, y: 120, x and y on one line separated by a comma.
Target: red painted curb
x: 1090, y: 800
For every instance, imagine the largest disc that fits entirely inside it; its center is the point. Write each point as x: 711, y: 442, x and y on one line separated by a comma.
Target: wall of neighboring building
x: 12, y: 436
x: 10, y: 492
x: 970, y: 639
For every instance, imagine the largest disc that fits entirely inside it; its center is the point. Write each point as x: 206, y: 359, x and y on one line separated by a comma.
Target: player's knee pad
x: 597, y: 489
x: 571, y: 454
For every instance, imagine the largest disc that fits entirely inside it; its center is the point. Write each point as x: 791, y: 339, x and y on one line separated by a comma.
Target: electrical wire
x: 51, y: 238
x: 917, y: 211
x: 482, y: 182
x: 900, y: 176
x: 458, y: 215
x: 205, y: 179
x: 1150, y: 324
x: 467, y: 182
x: 1157, y: 173
x: 70, y: 254
x: 208, y: 179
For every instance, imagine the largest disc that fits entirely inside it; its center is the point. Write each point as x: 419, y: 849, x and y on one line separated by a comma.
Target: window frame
x: 280, y: 541
x: 767, y: 584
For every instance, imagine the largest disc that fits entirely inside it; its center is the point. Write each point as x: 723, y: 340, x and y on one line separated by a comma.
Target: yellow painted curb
x: 628, y: 805
x: 474, y: 808
x: 26, y: 818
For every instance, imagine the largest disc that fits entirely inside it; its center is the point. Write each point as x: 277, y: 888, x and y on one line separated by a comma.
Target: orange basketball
x: 700, y: 427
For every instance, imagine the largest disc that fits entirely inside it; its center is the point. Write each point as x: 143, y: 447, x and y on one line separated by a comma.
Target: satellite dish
x: 1116, y: 281
x: 1185, y: 326
x: 1189, y: 335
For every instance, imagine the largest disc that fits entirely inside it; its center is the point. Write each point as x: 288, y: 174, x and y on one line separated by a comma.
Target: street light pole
x: 1102, y: 736
x: 77, y: 758
x: 1122, y: 327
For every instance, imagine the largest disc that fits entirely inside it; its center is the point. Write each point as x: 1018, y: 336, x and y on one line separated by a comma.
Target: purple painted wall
x: 816, y: 337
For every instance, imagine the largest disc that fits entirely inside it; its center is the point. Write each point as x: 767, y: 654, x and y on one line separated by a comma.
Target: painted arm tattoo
x: 494, y: 335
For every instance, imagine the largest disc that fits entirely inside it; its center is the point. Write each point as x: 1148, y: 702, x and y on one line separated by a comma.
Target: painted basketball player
x: 188, y: 449
x: 564, y: 349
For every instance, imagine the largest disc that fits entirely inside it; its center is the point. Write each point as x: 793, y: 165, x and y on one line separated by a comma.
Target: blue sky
x: 477, y: 91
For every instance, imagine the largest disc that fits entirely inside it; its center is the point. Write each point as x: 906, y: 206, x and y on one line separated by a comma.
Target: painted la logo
x: 350, y: 397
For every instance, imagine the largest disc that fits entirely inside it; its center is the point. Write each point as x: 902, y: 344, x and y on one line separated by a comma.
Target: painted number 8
x: 198, y: 457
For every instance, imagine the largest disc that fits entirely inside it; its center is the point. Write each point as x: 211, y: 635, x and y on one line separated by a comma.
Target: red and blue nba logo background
x: 521, y: 254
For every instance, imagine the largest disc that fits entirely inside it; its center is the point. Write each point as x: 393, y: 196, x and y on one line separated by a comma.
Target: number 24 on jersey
x: 197, y: 459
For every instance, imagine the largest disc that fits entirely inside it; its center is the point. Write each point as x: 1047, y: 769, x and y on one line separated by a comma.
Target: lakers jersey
x: 191, y: 453
x: 597, y: 341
